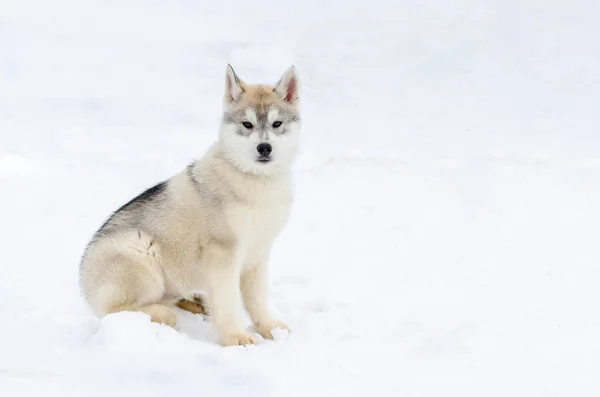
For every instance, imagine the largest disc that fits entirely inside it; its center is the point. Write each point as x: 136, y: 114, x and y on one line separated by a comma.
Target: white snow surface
x: 445, y: 239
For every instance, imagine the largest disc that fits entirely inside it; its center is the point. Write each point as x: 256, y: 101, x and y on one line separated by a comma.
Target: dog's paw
x: 265, y: 330
x: 162, y: 315
x: 240, y: 338
x: 196, y: 306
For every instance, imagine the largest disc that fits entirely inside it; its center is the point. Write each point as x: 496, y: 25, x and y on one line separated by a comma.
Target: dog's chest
x: 259, y: 221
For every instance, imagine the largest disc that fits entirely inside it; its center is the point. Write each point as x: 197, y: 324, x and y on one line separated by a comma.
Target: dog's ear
x: 234, y: 87
x: 288, y: 86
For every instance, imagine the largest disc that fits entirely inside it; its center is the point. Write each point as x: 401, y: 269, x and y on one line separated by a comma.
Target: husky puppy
x: 201, y: 240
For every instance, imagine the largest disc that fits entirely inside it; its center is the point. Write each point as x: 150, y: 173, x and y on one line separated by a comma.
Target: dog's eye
x: 247, y: 124
x: 277, y: 124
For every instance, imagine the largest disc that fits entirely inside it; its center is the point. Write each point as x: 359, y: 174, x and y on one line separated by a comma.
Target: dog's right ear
x: 288, y: 86
x: 234, y: 87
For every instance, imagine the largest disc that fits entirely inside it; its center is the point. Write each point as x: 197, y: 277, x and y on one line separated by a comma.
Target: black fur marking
x: 236, y: 116
x: 145, y: 197
x: 190, y: 173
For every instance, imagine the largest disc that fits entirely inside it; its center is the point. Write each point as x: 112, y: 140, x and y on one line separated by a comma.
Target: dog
x: 201, y: 240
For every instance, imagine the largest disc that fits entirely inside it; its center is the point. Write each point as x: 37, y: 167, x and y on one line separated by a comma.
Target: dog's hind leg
x: 123, y: 274
x: 158, y: 313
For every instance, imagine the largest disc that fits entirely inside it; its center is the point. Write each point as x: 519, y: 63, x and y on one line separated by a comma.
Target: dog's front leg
x: 255, y: 295
x: 223, y: 281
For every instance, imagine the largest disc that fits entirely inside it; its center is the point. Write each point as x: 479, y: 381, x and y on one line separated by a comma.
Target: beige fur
x: 195, y: 306
x: 209, y: 232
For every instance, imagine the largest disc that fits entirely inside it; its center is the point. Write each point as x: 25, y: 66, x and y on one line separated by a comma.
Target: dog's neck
x: 248, y: 187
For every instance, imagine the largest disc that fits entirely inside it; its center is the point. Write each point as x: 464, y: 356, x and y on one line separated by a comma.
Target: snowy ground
x: 445, y: 239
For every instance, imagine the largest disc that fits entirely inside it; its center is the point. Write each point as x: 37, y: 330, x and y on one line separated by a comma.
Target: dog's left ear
x: 234, y: 86
x: 288, y: 86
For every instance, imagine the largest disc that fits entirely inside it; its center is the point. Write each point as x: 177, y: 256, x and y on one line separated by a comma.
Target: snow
x: 444, y: 239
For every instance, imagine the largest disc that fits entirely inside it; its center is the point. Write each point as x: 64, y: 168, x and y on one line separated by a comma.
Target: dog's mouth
x: 264, y: 159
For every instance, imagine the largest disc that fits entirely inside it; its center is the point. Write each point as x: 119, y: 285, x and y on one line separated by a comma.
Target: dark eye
x: 247, y: 124
x: 277, y: 124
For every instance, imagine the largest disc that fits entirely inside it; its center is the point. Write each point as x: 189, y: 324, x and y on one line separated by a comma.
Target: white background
x: 445, y: 238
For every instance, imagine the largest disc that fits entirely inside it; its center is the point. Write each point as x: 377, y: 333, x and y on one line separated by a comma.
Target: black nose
x: 264, y: 149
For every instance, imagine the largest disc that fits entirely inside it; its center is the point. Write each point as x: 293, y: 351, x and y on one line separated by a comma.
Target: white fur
x: 272, y: 115
x: 241, y: 150
x: 210, y: 232
x: 251, y: 115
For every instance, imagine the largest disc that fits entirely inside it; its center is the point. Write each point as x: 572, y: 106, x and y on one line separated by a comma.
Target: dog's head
x: 261, y: 123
